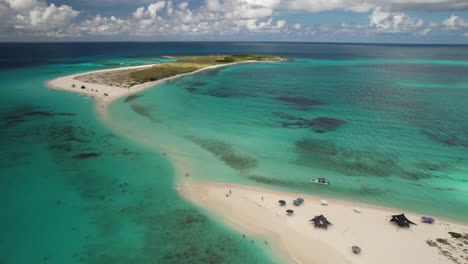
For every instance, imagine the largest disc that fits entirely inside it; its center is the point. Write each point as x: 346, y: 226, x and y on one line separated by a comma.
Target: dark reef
x: 319, y: 124
x: 299, y: 101
x: 132, y: 97
x: 327, y: 155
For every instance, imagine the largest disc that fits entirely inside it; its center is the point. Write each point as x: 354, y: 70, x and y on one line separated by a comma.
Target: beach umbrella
x: 289, y: 211
x: 296, y: 203
x: 320, y: 221
x: 401, y: 220
x: 282, y: 202
x: 300, y: 200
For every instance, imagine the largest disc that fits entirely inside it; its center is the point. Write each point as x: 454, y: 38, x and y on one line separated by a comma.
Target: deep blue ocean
x: 386, y: 124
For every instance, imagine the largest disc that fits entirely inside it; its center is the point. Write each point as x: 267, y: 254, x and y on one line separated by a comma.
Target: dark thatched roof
x: 401, y: 220
x: 321, y: 221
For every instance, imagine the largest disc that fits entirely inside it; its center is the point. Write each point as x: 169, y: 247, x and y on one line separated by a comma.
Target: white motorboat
x: 322, y: 181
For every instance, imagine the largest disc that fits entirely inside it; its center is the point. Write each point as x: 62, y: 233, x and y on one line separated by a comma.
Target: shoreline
x: 97, y: 91
x: 291, y: 239
x: 298, y: 241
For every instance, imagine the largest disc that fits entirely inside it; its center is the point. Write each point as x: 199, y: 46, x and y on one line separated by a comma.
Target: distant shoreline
x: 98, y: 91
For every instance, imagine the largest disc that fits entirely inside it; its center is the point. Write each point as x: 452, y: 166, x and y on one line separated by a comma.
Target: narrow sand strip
x: 295, y: 236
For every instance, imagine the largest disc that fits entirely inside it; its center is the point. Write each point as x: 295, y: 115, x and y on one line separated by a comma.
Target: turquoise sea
x: 386, y: 124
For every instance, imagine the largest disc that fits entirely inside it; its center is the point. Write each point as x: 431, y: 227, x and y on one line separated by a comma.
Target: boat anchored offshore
x: 322, y: 181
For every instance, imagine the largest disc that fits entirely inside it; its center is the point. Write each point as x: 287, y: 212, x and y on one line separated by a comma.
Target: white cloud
x: 102, y: 26
x: 367, y: 5
x: 36, y: 17
x: 162, y: 18
x: 454, y: 23
x: 393, y: 22
x: 425, y: 31
x: 19, y: 5
x: 154, y: 8
x: 183, y: 5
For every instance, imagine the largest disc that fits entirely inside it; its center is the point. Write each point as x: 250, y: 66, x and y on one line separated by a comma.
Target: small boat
x: 322, y: 181
x: 357, y: 210
x: 323, y: 202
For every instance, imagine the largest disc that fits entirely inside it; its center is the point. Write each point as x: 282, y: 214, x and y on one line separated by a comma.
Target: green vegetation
x: 162, y: 71
x: 442, y: 241
x: 455, y: 234
x: 190, y: 64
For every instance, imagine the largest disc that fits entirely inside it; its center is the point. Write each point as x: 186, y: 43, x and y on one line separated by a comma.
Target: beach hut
x: 289, y: 212
x: 427, y: 220
x: 321, y: 221
x: 356, y: 249
x: 282, y: 202
x: 401, y: 220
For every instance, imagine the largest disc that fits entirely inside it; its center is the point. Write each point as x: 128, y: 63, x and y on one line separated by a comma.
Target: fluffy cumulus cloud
x: 165, y: 18
x: 36, y: 16
x: 219, y: 18
x: 454, y: 23
x: 393, y: 22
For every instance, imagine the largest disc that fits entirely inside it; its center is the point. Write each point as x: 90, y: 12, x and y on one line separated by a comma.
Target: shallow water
x: 385, y: 124
x: 73, y: 191
x: 384, y: 131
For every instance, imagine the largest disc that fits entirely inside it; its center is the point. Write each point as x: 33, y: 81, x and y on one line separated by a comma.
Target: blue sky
x: 382, y: 21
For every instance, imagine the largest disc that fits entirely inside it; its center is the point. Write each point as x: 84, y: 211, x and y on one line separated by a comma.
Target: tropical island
x: 267, y: 213
x: 109, y: 85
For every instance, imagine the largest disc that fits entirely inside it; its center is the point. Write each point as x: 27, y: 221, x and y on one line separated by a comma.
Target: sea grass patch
x: 319, y: 124
x: 275, y: 181
x: 87, y: 155
x: 132, y: 98
x: 448, y: 137
x: 29, y: 113
x: 226, y: 153
x: 326, y: 154
x: 144, y: 111
x: 299, y: 101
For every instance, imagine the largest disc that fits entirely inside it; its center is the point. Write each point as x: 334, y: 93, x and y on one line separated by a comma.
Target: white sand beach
x: 256, y: 212
x: 105, y: 94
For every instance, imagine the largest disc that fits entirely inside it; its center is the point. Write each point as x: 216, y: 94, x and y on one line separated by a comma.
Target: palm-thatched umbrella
x: 321, y: 221
x: 401, y: 220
